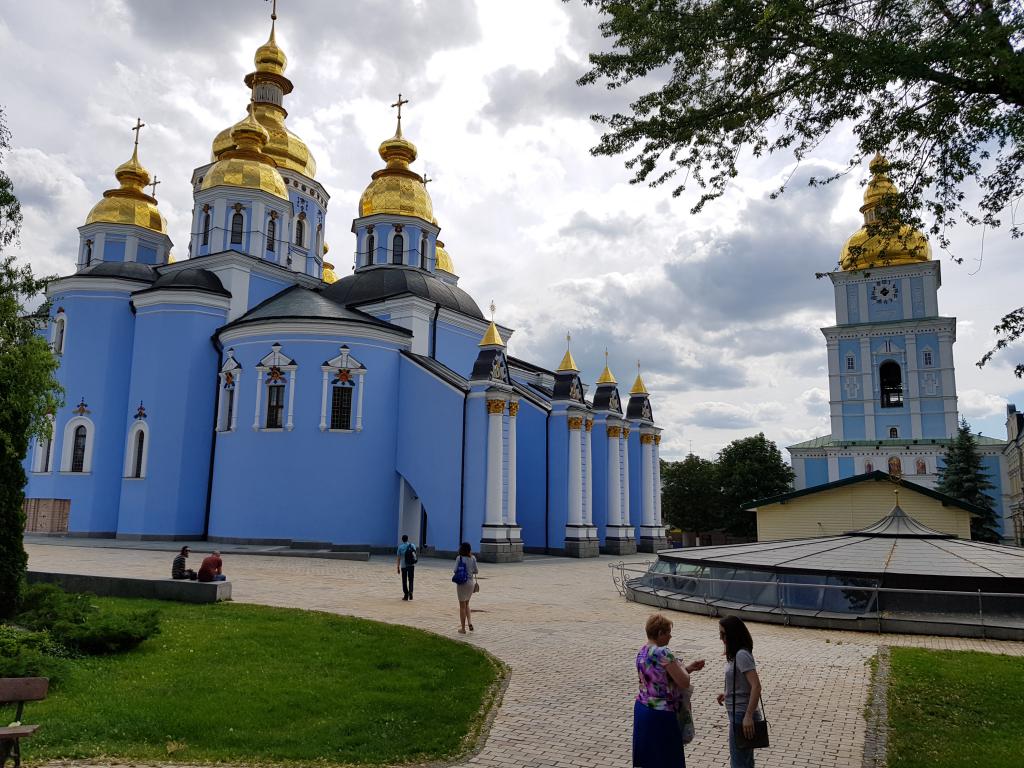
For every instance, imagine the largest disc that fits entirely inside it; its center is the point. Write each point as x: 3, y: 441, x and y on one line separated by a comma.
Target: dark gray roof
x: 129, y: 270
x: 298, y: 303
x: 440, y: 370
x: 897, y: 545
x: 531, y: 394
x: 192, y: 279
x: 378, y: 283
x: 518, y: 362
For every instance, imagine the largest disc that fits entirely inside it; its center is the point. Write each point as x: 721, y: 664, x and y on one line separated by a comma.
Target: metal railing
x: 622, y: 582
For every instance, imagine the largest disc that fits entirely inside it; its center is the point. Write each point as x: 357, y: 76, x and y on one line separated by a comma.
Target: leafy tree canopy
x: 28, y: 389
x: 964, y: 477
x: 937, y: 85
x: 691, y: 494
x: 750, y: 468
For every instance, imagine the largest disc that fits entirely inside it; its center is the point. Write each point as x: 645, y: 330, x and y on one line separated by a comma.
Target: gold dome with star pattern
x: 396, y: 189
x: 247, y: 165
x: 129, y: 204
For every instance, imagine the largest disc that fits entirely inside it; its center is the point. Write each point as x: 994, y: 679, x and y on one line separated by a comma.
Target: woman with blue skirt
x: 657, y: 738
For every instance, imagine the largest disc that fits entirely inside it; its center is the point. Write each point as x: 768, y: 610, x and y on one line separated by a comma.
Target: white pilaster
x: 359, y: 405
x: 657, y: 482
x: 513, y: 412
x: 646, y: 461
x: 234, y: 393
x: 492, y: 512
x: 323, y: 404
x: 259, y: 396
x: 625, y: 476
x: 575, y: 516
x: 291, y: 400
x: 614, y: 490
x: 588, y: 490
x: 131, y: 248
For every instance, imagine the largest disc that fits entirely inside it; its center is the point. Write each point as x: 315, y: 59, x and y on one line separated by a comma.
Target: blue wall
x: 456, y: 347
x: 599, y: 449
x: 558, y: 477
x: 262, y: 288
x: 113, y: 250
x: 429, y: 453
x: 531, y: 470
x: 846, y: 467
x: 475, y: 489
x: 174, y: 374
x: 816, y: 471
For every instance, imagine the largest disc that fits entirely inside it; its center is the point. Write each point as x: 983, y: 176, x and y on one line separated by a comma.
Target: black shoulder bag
x: 760, y: 739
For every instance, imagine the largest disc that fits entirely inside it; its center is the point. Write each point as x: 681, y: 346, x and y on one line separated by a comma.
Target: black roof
x: 193, y: 279
x: 129, y: 270
x: 518, y: 362
x: 308, y: 304
x: 383, y: 282
x: 877, y: 475
x: 440, y: 370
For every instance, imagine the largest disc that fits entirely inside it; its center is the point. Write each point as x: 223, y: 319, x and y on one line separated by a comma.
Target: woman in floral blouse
x: 657, y: 738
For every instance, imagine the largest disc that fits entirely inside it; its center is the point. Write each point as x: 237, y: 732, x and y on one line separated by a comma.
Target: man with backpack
x: 406, y: 565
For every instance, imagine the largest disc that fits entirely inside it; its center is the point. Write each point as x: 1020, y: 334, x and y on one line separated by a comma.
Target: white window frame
x: 39, y: 456
x: 927, y: 358
x: 231, y: 366
x: 68, y: 445
x: 276, y: 359
x: 851, y: 362
x: 391, y: 248
x: 139, y: 425
x: 60, y: 321
x: 330, y: 368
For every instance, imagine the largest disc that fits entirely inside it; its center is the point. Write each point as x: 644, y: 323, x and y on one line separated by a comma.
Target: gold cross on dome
x: 155, y: 181
x: 426, y: 179
x: 139, y: 125
x: 493, y: 310
x: 399, y: 104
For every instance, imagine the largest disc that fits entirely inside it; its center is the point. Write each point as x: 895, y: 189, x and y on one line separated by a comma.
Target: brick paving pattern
x: 569, y: 640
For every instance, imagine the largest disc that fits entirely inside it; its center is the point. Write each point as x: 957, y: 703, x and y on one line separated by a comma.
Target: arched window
x: 271, y: 234
x: 895, y: 466
x: 341, y: 407
x: 371, y: 249
x: 140, y: 448
x: 890, y: 380
x: 893, y: 433
x: 88, y: 252
x: 300, y: 231
x: 206, y: 228
x: 851, y: 364
x: 236, y: 228
x: 398, y: 249
x: 275, y: 383
x: 78, y: 449
x: 868, y: 467
x: 229, y: 401
x: 922, y: 468
x: 58, y: 335
x: 927, y: 358
x: 44, y: 450
x: 423, y: 252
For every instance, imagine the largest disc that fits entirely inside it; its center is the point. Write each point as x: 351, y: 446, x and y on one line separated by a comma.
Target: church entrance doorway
x: 411, y: 515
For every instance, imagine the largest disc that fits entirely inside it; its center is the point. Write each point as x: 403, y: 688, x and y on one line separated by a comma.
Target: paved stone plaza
x: 570, y: 640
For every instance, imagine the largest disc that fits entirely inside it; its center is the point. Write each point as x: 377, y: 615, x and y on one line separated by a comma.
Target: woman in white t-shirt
x: 464, y: 577
x: 742, y: 688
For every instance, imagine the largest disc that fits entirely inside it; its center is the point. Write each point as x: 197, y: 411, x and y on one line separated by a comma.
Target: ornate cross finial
x: 606, y: 357
x: 153, y: 184
x: 426, y: 179
x: 638, y: 367
x: 399, y: 104
x: 493, y: 310
x: 568, y: 339
x: 139, y: 125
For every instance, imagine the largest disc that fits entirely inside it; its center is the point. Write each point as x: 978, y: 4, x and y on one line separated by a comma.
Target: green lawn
x: 955, y: 709
x: 249, y: 684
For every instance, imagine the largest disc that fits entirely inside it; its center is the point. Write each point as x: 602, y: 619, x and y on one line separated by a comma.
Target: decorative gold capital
x: 589, y: 425
x: 646, y: 439
x: 513, y: 409
x: 575, y: 422
x: 495, y: 406
x: 614, y: 432
x: 625, y: 432
x: 657, y: 439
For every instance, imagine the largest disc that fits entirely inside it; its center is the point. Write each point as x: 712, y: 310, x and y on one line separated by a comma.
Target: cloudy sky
x: 722, y: 309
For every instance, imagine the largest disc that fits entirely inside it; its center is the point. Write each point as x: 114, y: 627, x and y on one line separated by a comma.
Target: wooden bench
x: 18, y: 690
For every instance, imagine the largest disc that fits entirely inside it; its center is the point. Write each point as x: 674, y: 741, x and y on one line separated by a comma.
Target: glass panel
x: 802, y: 590
x: 762, y: 594
x: 852, y: 600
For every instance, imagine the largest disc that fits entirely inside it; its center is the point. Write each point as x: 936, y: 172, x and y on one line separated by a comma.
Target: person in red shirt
x: 210, y: 570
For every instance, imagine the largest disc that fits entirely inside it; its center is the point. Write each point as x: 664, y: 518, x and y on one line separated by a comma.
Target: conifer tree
x: 964, y: 477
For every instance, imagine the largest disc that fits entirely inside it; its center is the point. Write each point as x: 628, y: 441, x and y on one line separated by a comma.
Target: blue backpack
x: 461, y: 572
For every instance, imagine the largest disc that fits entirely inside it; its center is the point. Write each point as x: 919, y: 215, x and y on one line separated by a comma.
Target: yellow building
x: 855, y: 503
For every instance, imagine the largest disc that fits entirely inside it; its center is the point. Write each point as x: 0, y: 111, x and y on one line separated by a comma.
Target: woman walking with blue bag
x: 464, y: 578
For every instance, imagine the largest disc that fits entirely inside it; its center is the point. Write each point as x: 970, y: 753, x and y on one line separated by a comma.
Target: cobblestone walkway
x: 570, y: 639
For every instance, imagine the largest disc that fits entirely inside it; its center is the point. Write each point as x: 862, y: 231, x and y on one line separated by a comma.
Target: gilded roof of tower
x: 396, y: 189
x: 129, y: 204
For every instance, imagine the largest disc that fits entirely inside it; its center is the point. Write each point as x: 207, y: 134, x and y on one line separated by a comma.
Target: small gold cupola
x: 639, y: 388
x: 865, y: 249
x: 492, y: 338
x: 129, y: 204
x: 396, y: 188
x: 568, y: 364
x: 247, y: 165
x: 606, y: 376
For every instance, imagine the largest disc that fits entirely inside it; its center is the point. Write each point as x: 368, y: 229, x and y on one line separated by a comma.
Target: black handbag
x: 760, y: 740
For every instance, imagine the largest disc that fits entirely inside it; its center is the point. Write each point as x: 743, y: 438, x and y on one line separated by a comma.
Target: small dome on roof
x: 192, y: 278
x: 129, y: 270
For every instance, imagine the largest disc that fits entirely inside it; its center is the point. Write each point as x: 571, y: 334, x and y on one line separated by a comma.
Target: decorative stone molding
x: 646, y: 439
x: 657, y: 439
x: 513, y: 409
x: 495, y: 406
x: 575, y: 422
x: 589, y: 425
x: 625, y: 432
x: 614, y: 431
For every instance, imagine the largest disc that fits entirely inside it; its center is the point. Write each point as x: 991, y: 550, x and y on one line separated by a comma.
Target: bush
x: 77, y: 623
x: 31, y: 654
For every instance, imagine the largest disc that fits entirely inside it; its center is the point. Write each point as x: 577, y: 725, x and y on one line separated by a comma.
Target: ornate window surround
x: 229, y: 386
x: 343, y: 364
x: 42, y: 457
x: 59, y: 332
x: 276, y: 359
x: 138, y: 425
x: 68, y: 444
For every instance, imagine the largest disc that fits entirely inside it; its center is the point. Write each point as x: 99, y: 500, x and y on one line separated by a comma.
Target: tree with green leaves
x: 691, y: 495
x: 750, y: 468
x: 963, y: 476
x: 28, y: 389
x: 936, y: 85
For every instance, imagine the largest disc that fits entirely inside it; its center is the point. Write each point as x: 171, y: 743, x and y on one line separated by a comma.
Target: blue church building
x: 245, y: 394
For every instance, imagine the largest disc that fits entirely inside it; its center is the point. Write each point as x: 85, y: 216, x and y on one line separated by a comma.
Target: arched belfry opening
x: 890, y: 380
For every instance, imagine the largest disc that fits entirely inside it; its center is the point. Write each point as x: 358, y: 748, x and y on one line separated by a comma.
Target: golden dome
x: 129, y: 204
x: 492, y: 338
x: 443, y: 261
x: 269, y: 57
x: 329, y: 276
x: 865, y: 249
x: 395, y: 188
x: 639, y: 388
x: 247, y: 165
x: 326, y: 248
x: 606, y: 375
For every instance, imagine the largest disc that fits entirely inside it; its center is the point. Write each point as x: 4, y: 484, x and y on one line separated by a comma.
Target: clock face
x: 885, y: 292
